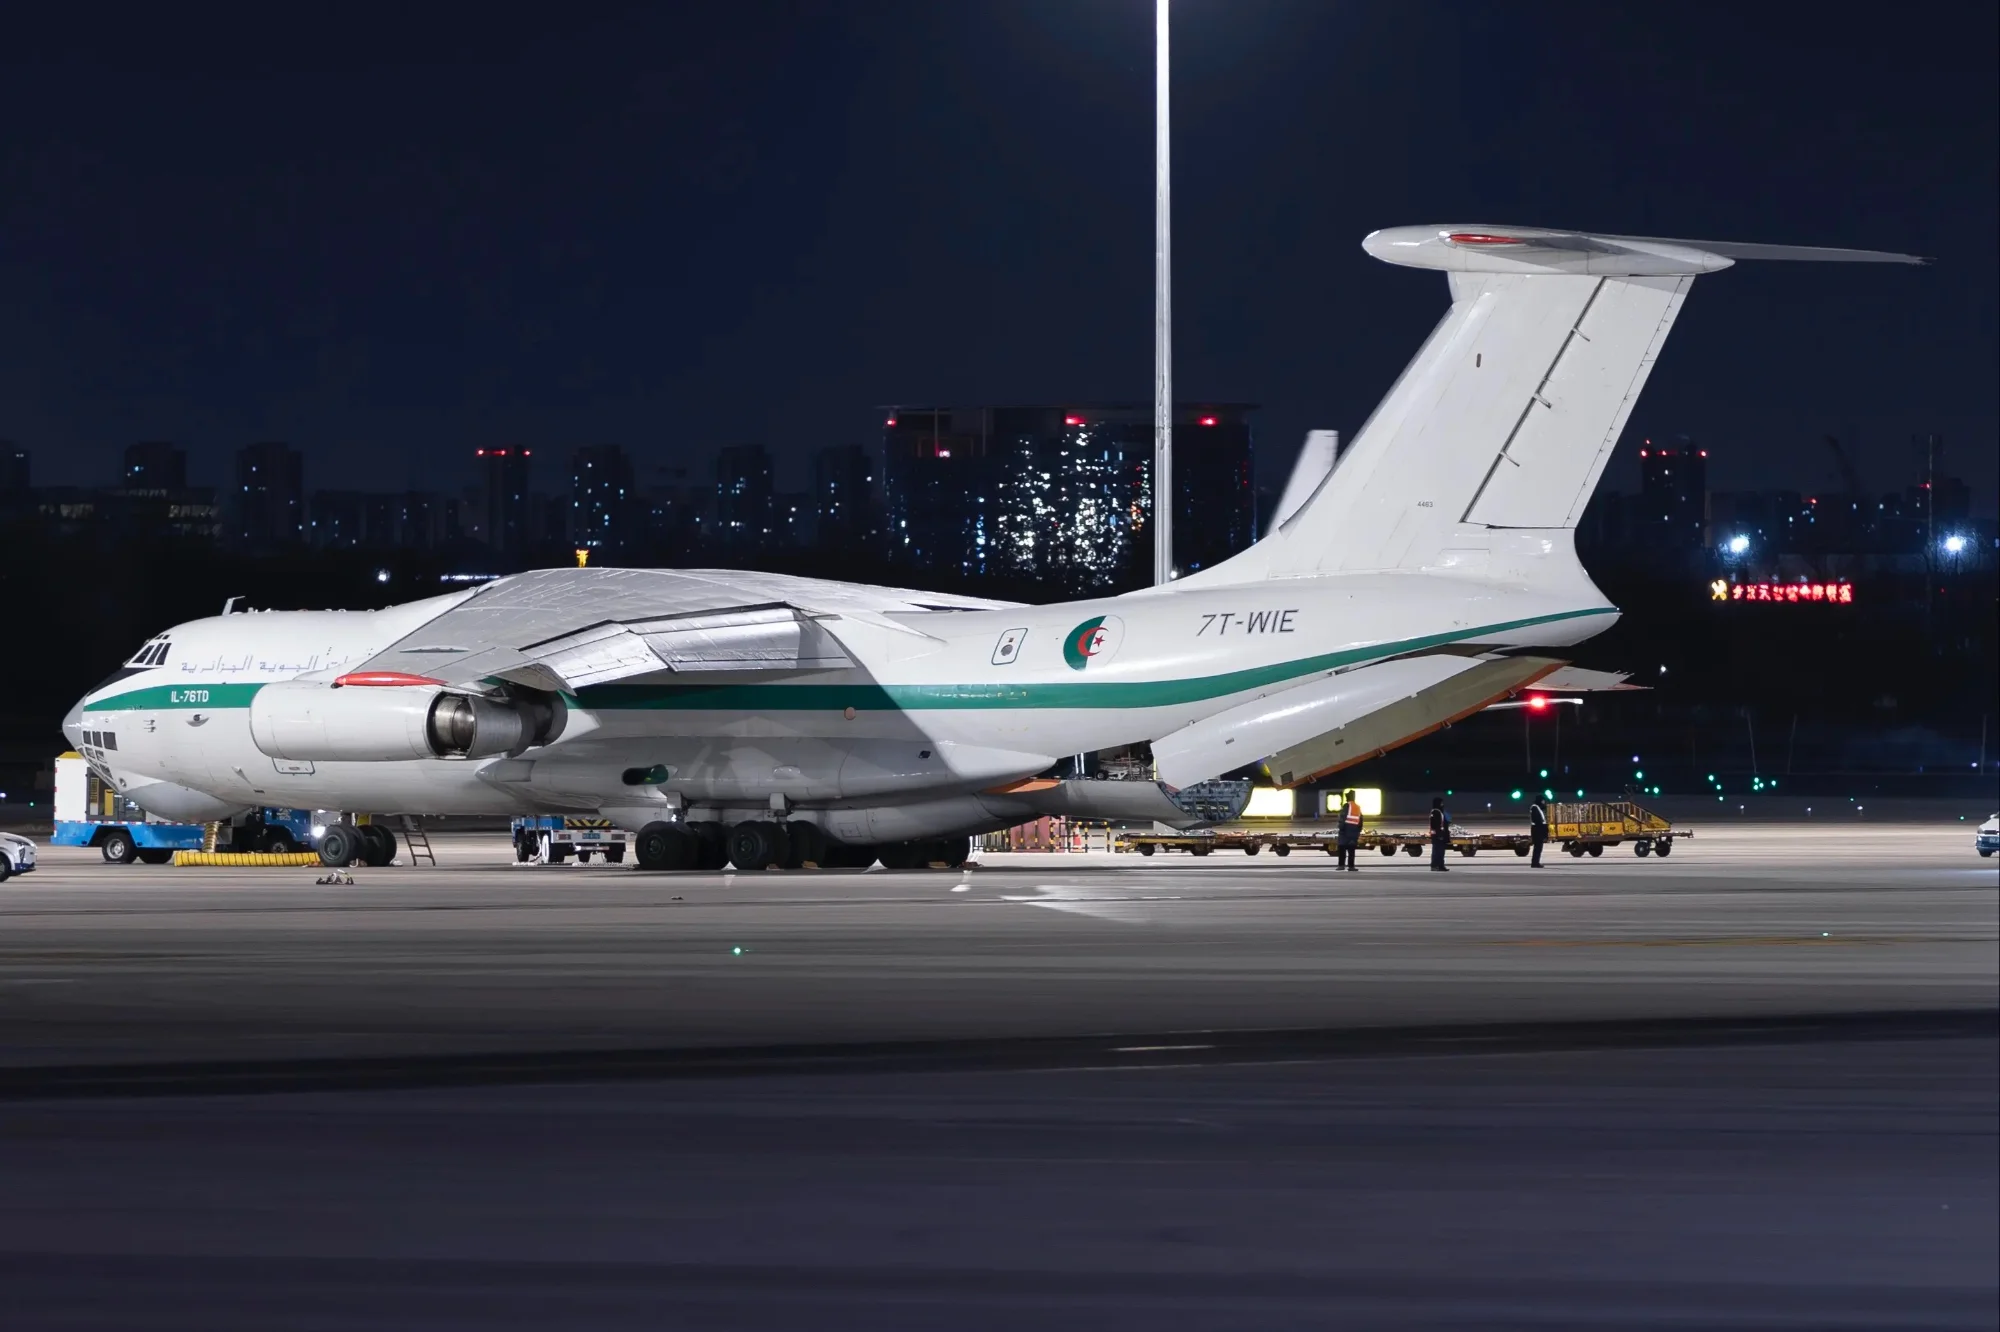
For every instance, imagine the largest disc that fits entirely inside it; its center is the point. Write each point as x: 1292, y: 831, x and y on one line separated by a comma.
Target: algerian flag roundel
x: 1096, y: 639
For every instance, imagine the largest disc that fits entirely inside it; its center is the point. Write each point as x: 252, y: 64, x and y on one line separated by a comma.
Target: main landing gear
x: 343, y: 844
x: 769, y: 844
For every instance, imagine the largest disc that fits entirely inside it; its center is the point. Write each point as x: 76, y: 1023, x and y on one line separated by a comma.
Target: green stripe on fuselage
x: 776, y: 696
x: 158, y: 698
x: 1000, y: 694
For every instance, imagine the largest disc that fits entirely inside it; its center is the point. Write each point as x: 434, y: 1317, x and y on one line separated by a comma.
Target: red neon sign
x: 1828, y: 594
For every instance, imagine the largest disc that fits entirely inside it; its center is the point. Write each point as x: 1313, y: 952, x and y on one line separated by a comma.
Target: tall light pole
x: 1163, y: 315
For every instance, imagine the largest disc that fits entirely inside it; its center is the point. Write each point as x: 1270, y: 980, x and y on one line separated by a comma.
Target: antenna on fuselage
x: 229, y: 606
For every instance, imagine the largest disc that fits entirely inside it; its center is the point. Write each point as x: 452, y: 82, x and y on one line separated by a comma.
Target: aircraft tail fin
x: 1482, y: 456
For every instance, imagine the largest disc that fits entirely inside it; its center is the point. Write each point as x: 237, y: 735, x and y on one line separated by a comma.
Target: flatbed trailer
x: 1580, y: 829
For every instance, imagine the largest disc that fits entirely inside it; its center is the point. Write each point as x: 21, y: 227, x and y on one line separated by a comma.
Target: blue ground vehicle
x: 91, y: 813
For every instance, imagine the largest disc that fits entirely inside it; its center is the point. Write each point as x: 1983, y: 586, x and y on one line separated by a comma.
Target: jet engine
x: 300, y: 719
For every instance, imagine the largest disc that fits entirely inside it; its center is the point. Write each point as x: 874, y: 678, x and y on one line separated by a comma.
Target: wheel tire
x: 1574, y: 849
x: 711, y: 851
x: 1388, y: 848
x: 280, y: 844
x: 378, y: 845
x: 1468, y: 850
x: 951, y: 852
x: 1663, y: 848
x: 1414, y: 850
x: 666, y: 846
x: 117, y: 848
x: 7, y: 868
x: 1200, y: 850
x: 524, y: 847
x: 757, y: 844
x: 1596, y: 849
x: 1642, y: 848
x: 1333, y: 848
x: 1281, y: 850
x: 1521, y: 851
x: 897, y: 855
x: 1147, y: 849
x: 155, y: 855
x: 1251, y: 848
x: 615, y: 853
x: 340, y: 846
x: 803, y: 842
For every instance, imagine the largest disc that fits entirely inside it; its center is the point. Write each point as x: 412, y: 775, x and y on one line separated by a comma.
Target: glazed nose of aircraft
x: 72, y: 725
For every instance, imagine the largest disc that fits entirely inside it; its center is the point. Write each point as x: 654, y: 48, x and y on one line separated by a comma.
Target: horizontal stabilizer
x: 1483, y: 248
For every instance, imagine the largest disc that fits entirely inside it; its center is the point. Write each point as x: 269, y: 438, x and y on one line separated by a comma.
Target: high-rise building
x: 334, y: 519
x: 743, y: 498
x: 1673, y: 494
x: 155, y: 465
x: 1064, y: 494
x: 605, y: 510
x: 847, y: 514
x: 503, y: 476
x: 269, y: 501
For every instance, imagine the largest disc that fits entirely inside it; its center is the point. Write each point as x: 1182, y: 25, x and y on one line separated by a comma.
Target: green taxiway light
x: 1638, y: 776
x: 1513, y: 795
x: 1544, y: 772
x: 736, y: 951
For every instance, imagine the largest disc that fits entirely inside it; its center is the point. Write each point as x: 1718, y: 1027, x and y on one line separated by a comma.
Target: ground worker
x: 1538, y: 831
x: 1350, y: 831
x: 1440, y: 834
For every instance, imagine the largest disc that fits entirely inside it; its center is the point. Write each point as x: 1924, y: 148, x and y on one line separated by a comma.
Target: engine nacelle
x: 300, y: 719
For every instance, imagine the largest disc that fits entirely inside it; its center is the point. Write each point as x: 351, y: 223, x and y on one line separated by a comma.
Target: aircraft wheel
x: 757, y: 844
x: 803, y: 842
x: 711, y: 844
x: 951, y: 852
x: 665, y: 846
x: 341, y: 846
x: 378, y: 845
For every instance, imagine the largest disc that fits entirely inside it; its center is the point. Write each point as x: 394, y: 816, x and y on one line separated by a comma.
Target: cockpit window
x: 152, y: 654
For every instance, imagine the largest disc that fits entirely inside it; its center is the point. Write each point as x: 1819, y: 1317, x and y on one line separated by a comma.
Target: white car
x: 1987, y: 840
x: 17, y: 855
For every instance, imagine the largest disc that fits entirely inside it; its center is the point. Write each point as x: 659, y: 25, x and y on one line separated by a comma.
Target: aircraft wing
x: 566, y: 629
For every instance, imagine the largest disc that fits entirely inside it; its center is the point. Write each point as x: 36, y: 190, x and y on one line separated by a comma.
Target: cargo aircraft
x: 765, y: 720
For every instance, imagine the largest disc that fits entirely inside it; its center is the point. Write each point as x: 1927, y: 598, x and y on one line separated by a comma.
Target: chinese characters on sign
x: 1831, y: 593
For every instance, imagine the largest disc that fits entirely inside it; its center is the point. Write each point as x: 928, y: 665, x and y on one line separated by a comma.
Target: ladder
x: 418, y: 842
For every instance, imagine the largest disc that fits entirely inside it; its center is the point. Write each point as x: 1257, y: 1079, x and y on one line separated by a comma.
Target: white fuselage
x: 940, y: 704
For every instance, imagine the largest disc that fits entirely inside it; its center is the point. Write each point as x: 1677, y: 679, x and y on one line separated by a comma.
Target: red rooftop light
x: 1208, y: 420
x: 890, y: 422
x: 1072, y: 420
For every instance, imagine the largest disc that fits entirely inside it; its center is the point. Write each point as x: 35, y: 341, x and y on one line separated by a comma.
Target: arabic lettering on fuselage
x: 1248, y: 622
x: 250, y: 664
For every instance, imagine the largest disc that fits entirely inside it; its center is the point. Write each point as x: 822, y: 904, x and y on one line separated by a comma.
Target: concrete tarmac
x: 1751, y: 1086
x: 102, y: 964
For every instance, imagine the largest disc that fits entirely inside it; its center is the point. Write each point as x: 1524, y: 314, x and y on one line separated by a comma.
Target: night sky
x: 389, y: 235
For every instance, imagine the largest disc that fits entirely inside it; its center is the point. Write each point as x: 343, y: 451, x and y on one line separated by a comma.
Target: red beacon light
x: 1072, y: 420
x: 890, y: 423
x: 1537, y: 702
x: 1208, y: 420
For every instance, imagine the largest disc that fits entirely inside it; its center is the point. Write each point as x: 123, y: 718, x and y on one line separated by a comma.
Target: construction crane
x: 1848, y: 476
